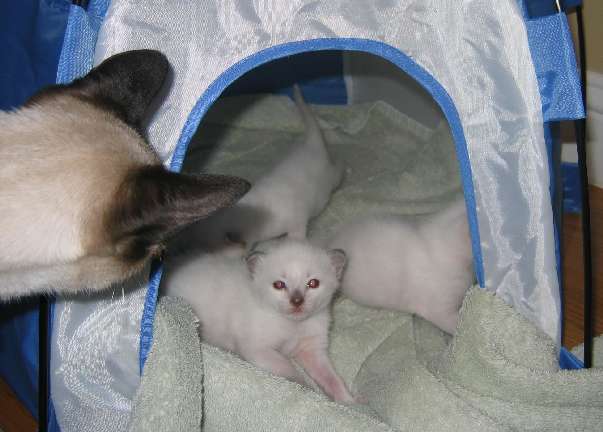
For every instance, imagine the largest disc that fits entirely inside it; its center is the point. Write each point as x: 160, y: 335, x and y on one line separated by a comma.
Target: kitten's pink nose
x: 296, y: 299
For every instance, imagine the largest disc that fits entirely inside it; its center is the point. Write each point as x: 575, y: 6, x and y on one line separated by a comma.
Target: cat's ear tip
x: 154, y: 58
x: 141, y: 57
x: 151, y: 53
x: 231, y: 186
x: 150, y: 66
x: 238, y: 185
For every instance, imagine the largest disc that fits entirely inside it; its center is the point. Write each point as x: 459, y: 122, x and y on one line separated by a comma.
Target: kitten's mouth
x: 297, y: 312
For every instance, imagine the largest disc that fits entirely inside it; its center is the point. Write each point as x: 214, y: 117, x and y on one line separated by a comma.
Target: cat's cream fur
x: 85, y: 202
x: 50, y: 186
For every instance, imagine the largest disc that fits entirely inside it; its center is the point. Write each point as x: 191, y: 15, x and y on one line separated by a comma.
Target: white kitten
x: 283, y: 201
x: 418, y: 265
x: 269, y: 307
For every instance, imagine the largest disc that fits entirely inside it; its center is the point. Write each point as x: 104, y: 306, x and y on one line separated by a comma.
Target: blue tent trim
x: 79, y: 44
x: 554, y: 59
x: 148, y: 314
x: 380, y: 49
x: 390, y: 53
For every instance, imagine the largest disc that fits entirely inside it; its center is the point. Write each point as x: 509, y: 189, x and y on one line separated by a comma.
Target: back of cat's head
x: 81, y: 179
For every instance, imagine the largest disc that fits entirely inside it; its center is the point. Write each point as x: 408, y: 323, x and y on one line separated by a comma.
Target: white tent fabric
x: 476, y: 50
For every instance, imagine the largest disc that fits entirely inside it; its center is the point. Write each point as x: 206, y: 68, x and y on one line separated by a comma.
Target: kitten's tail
x: 314, y: 134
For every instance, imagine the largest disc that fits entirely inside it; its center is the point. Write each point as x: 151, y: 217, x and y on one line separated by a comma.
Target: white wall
x: 594, y: 131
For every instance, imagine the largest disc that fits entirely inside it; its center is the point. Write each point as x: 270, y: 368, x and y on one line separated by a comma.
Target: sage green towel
x: 499, y: 373
x: 508, y: 369
x: 170, y: 396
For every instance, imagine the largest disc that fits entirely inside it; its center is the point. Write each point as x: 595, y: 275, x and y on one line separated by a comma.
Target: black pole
x: 43, y: 365
x: 580, y: 128
x: 80, y: 3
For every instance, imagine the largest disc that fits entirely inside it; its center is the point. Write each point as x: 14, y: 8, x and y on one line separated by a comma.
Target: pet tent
x: 497, y: 76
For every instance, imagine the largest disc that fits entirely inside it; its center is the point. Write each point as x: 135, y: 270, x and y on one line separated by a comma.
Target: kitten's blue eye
x: 279, y: 285
x: 313, y: 283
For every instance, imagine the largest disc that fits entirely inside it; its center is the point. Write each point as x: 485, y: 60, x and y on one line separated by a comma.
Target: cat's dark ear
x: 253, y: 259
x: 338, y: 261
x: 153, y: 204
x: 125, y: 83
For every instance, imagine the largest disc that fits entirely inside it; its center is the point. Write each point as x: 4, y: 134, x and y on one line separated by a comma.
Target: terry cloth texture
x: 170, y: 396
x: 414, y: 377
x: 499, y: 373
x: 578, y: 351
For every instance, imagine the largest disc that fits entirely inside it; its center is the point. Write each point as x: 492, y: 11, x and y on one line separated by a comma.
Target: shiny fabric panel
x: 477, y: 50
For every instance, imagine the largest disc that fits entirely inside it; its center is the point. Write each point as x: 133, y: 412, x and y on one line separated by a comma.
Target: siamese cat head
x: 86, y: 201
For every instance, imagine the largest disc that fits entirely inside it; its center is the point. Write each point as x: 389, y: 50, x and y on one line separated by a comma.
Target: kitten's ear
x: 253, y: 259
x: 125, y: 83
x: 153, y: 204
x: 338, y: 260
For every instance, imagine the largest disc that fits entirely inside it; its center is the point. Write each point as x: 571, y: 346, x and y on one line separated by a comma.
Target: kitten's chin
x: 297, y: 314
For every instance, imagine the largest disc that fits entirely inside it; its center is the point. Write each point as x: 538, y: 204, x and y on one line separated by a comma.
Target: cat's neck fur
x: 54, y: 181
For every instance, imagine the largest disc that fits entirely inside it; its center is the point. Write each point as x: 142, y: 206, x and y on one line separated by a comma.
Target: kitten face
x: 295, y: 278
x: 87, y: 201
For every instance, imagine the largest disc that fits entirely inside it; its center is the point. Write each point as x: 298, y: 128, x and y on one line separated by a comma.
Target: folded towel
x: 498, y: 373
x: 170, y: 396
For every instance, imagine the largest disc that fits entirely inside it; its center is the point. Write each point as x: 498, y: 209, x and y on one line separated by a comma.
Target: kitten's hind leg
x: 316, y: 362
x: 276, y: 363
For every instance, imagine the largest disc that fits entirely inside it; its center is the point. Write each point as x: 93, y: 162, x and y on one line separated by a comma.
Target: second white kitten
x: 281, y: 202
x: 418, y: 265
x: 270, y: 307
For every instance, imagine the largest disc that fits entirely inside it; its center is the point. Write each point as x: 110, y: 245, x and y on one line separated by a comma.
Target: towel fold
x: 498, y: 373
